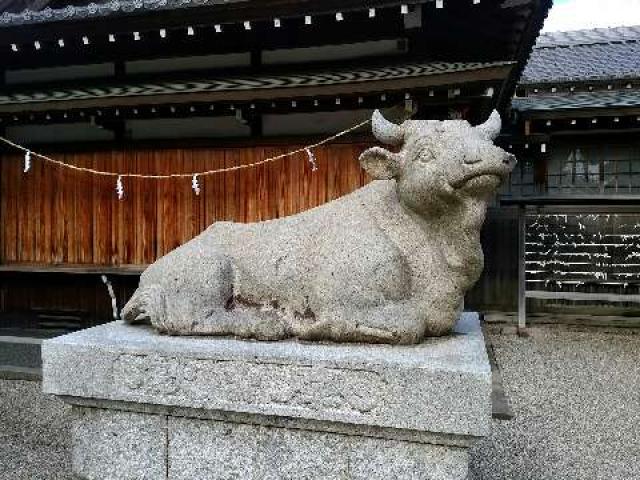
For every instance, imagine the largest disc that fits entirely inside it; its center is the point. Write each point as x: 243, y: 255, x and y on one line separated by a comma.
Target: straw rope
x: 103, y: 173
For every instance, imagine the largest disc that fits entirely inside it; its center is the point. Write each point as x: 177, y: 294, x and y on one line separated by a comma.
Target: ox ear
x: 379, y: 163
x: 491, y: 128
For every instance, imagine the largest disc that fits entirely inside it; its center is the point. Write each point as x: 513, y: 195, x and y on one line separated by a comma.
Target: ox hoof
x: 146, y: 306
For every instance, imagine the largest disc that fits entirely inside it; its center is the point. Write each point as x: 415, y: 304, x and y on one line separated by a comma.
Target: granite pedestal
x: 147, y: 406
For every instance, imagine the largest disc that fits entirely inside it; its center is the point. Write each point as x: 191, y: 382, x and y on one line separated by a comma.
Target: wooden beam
x: 235, y: 73
x: 256, y: 124
x: 256, y: 59
x: 596, y: 132
x: 429, y: 108
x: 71, y: 269
x: 120, y: 70
x: 570, y: 113
x: 522, y: 268
x: 348, y: 89
x: 578, y: 296
x: 119, y: 128
x: 231, y: 12
x: 233, y: 39
x: 573, y: 200
x: 526, y: 42
x: 447, y: 33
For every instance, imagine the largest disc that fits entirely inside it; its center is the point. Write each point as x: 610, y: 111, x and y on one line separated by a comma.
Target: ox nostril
x: 509, y: 160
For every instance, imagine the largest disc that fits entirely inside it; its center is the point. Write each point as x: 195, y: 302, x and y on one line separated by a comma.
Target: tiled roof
x: 585, y: 55
x: 17, y: 6
x: 588, y: 37
x: 97, y: 9
x: 605, y: 99
x: 339, y: 76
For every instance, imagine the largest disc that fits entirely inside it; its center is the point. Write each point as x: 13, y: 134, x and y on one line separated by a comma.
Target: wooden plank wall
x: 497, y: 288
x: 49, y: 216
x: 59, y: 300
x: 55, y: 216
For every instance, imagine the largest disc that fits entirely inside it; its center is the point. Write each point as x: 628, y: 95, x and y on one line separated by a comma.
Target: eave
x: 579, y: 105
x: 255, y: 88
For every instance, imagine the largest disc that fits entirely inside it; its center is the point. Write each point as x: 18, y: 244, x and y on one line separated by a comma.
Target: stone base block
x: 114, y: 444
x: 147, y: 406
x: 220, y: 450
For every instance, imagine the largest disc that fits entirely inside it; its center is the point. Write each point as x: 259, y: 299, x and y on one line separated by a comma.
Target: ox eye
x: 425, y: 155
x: 473, y: 158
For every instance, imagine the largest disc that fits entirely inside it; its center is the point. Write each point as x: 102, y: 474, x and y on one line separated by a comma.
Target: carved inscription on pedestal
x: 239, y: 382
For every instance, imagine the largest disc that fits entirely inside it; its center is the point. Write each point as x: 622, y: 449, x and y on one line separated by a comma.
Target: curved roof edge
x: 99, y: 10
x: 588, y: 37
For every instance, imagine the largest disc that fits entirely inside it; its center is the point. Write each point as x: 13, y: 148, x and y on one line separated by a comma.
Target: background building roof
x: 585, y: 55
x: 579, y: 101
x: 588, y: 37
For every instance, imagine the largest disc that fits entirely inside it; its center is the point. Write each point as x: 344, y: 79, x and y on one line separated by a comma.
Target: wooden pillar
x: 3, y: 151
x: 522, y: 267
x: 541, y: 169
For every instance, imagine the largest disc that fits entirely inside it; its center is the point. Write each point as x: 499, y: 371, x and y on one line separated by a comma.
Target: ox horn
x: 386, y: 131
x: 491, y: 128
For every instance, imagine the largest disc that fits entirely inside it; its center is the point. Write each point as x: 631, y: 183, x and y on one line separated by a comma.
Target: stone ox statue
x: 388, y: 263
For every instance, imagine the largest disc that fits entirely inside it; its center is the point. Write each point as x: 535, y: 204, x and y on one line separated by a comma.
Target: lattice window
x: 522, y: 180
x: 573, y: 257
x: 594, y: 169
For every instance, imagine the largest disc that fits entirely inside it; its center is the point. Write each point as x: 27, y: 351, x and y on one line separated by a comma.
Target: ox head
x: 438, y: 163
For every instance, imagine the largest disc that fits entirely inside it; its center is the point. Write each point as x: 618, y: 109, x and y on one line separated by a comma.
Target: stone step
x: 10, y: 372
x: 20, y: 351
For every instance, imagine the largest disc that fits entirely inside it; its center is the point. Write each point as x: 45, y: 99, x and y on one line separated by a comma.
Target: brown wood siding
x: 497, y: 288
x: 54, y: 216
x: 59, y: 300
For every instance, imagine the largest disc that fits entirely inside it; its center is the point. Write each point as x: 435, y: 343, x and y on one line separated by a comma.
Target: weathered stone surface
x: 389, y: 263
x: 148, y: 406
x: 116, y: 445
x: 225, y: 451
x: 441, y: 386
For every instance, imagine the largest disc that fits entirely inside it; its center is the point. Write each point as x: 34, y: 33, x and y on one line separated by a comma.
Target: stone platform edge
x: 441, y: 387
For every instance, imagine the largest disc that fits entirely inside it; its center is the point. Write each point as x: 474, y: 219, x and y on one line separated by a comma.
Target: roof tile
x: 585, y: 55
x: 614, y: 99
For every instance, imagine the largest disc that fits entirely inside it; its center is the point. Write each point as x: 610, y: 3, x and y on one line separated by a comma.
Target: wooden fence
x: 55, y: 216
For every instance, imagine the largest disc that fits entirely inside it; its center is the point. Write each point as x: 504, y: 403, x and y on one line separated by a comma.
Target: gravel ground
x: 576, y: 397
x: 34, y: 435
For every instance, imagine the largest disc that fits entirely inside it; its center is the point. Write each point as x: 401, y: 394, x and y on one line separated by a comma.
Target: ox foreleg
x: 395, y: 323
